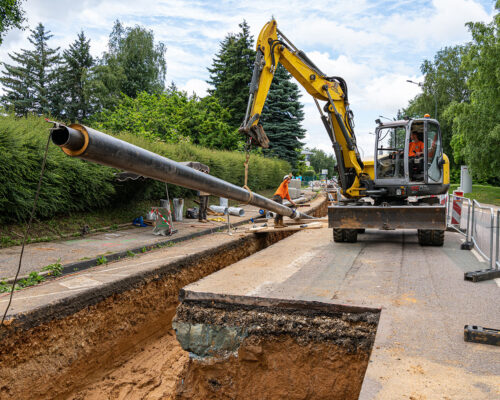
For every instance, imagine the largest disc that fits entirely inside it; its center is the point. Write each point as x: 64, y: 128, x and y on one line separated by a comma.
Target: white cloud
x: 196, y: 86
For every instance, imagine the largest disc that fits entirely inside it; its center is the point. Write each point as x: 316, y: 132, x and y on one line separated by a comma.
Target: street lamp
x: 420, y: 84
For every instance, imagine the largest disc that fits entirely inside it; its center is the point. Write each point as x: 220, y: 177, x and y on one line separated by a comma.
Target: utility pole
x: 420, y: 84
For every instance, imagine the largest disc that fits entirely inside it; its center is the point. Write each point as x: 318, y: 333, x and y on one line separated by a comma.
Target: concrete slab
x: 419, y: 351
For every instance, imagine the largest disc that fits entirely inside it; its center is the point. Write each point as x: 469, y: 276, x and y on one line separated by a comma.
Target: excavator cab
x: 409, y: 159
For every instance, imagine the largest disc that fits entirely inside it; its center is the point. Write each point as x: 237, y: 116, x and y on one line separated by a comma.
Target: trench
x: 124, y: 347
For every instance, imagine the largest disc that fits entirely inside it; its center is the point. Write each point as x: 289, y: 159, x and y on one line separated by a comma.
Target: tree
x: 75, y: 73
x: 28, y: 85
x: 231, y: 73
x: 476, y: 123
x: 320, y: 160
x: 12, y: 16
x: 173, y: 117
x: 282, y: 116
x: 445, y: 82
x: 134, y: 63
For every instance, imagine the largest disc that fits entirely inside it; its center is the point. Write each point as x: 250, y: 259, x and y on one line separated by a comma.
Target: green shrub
x: 68, y: 184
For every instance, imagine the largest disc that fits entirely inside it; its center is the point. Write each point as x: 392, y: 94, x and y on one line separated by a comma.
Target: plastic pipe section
x: 239, y: 212
x: 219, y: 209
x: 88, y: 144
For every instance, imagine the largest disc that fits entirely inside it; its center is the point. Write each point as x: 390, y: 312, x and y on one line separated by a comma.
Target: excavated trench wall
x: 247, y: 348
x: 59, y: 349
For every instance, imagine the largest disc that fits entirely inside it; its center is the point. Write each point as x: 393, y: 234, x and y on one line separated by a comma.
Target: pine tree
x: 78, y: 62
x: 28, y: 85
x: 231, y: 73
x: 282, y: 116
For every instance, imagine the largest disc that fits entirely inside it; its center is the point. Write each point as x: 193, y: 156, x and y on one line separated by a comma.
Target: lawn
x: 482, y: 193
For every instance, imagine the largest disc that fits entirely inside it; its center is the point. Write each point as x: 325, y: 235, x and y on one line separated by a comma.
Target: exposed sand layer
x: 277, y: 368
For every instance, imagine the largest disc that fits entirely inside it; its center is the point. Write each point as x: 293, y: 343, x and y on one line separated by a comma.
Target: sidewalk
x: 82, y: 253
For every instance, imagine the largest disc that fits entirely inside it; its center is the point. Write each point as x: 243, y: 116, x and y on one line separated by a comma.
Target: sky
x: 375, y: 45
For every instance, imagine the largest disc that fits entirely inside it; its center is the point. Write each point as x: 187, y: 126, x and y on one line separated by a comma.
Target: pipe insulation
x: 88, y: 144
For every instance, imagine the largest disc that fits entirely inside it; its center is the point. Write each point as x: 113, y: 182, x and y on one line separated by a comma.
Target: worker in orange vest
x: 416, y: 148
x: 281, y: 194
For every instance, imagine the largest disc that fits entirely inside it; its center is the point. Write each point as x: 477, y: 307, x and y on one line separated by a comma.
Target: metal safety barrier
x: 478, y: 224
x: 483, y: 231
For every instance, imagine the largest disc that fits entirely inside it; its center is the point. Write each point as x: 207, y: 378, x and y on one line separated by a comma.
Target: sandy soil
x: 276, y: 368
x: 151, y: 373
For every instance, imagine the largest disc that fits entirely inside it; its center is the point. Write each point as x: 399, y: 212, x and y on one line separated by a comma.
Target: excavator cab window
x: 434, y: 153
x: 416, y: 155
x: 390, y: 152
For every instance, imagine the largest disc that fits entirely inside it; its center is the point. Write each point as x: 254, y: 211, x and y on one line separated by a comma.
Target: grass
x: 54, y: 269
x: 102, y: 260
x: 485, y: 194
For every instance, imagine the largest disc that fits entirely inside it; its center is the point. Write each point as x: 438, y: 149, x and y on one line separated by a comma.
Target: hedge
x: 71, y: 185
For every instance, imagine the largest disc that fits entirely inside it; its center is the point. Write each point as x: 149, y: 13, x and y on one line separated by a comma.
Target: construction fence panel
x: 484, y: 231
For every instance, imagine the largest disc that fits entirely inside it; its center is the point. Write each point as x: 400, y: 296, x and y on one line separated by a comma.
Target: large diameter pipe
x: 86, y: 143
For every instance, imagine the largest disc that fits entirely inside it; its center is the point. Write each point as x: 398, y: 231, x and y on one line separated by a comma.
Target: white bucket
x: 178, y: 209
x: 223, y: 202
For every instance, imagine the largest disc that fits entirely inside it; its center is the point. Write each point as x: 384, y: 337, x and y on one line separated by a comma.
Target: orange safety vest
x: 415, y: 147
x: 283, y: 190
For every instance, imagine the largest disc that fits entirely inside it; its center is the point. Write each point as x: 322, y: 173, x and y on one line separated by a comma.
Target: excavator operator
x: 416, y: 148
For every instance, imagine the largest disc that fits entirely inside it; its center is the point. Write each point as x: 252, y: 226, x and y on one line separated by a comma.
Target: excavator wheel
x: 351, y: 235
x: 345, y: 235
x: 430, y: 237
x: 338, y: 235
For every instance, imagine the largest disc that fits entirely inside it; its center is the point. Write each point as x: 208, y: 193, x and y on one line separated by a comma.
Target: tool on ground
x: 478, y: 334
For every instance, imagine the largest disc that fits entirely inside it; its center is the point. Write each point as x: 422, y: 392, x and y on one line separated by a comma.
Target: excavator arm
x: 274, y: 48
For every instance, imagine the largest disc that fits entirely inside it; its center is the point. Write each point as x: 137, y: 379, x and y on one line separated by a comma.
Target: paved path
x: 38, y: 255
x: 419, y: 351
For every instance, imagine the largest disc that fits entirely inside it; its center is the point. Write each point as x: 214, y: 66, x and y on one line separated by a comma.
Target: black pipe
x: 107, y: 150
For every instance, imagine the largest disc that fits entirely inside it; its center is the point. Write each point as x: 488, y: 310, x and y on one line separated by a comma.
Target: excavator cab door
x: 390, y: 155
x: 433, y: 153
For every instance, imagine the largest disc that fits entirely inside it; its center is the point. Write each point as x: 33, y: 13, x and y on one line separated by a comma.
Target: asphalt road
x: 419, y: 352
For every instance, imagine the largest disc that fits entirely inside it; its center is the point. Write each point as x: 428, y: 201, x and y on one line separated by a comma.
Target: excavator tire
x: 338, y: 235
x: 437, y: 237
x: 430, y: 237
x: 350, y: 235
x: 424, y: 237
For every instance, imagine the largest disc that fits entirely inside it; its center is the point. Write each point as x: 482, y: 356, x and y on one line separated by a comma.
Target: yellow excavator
x: 395, y: 190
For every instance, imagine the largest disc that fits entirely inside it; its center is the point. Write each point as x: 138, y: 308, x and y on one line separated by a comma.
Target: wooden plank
x: 312, y: 225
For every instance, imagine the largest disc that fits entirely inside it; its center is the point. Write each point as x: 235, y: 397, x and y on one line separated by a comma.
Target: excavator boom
x: 273, y: 48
